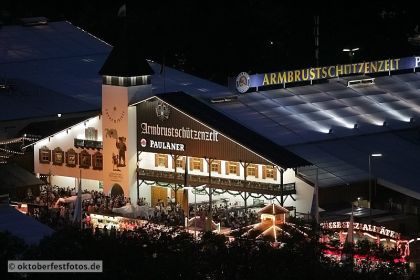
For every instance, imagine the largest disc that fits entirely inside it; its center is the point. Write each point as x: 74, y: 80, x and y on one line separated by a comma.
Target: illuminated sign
x: 326, y: 72
x: 163, y: 128
x: 243, y: 82
x: 363, y: 227
x: 166, y: 146
x: 183, y: 132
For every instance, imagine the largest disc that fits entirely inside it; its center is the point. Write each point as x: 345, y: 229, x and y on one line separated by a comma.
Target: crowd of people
x: 233, y: 217
x: 61, y: 210
x: 162, y: 223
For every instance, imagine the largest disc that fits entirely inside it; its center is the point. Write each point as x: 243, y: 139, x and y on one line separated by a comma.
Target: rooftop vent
x: 367, y: 81
x: 32, y: 21
x: 224, y: 99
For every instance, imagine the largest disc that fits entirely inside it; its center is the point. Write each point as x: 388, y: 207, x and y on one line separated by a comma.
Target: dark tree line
x: 216, y: 40
x: 153, y: 254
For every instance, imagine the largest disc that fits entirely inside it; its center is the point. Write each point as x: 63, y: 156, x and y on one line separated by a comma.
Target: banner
x: 245, y: 81
x: 115, y: 137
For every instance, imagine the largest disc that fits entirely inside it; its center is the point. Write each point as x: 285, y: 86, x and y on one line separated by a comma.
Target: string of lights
x: 11, y: 151
x: 16, y: 140
x: 14, y: 146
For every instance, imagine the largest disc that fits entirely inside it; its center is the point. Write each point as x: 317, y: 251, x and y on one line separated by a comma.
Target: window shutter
x: 256, y: 170
x: 201, y: 165
x: 219, y: 167
x: 275, y: 173
x: 156, y: 160
x: 191, y: 164
x: 227, y: 167
x: 40, y: 155
x: 166, y: 161
x: 263, y: 171
x: 183, y: 162
x: 238, y: 169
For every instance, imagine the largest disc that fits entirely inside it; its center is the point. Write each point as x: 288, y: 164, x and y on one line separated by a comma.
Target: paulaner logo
x: 143, y: 142
x: 242, y: 82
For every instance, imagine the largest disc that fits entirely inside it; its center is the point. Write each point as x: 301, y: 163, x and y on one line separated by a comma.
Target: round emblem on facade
x: 242, y: 82
x: 143, y: 142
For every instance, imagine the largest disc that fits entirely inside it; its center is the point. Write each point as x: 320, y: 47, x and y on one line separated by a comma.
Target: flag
x: 77, y: 217
x: 186, y: 172
x: 350, y: 237
x: 315, y: 201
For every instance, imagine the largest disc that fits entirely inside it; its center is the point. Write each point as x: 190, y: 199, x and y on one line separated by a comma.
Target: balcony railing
x: 216, y: 182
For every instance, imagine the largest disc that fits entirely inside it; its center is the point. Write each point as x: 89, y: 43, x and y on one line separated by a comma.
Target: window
x: 252, y: 170
x: 215, y: 166
x: 196, y: 164
x: 161, y: 160
x: 44, y: 155
x: 97, y: 161
x: 232, y: 168
x: 180, y: 162
x: 269, y: 171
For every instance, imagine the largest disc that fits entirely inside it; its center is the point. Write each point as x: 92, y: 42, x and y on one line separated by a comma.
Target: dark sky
x: 220, y: 39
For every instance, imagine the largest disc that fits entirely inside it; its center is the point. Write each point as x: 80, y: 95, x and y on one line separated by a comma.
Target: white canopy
x: 134, y: 211
x: 72, y: 199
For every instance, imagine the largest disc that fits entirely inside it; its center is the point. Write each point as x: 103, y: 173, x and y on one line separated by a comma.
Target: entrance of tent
x: 181, y: 199
x: 159, y: 194
x: 117, y: 190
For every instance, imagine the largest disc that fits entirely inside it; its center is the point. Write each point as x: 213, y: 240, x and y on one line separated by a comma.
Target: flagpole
x: 350, y: 238
x: 316, y: 199
x: 193, y: 190
x: 79, y: 193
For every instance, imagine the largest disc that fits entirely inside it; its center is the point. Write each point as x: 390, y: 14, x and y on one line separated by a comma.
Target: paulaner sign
x: 326, y: 72
x: 166, y: 145
x: 363, y: 227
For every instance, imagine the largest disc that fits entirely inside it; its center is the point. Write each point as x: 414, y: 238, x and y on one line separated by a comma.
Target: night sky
x: 216, y: 40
